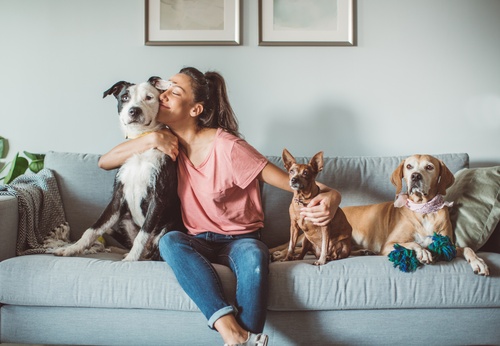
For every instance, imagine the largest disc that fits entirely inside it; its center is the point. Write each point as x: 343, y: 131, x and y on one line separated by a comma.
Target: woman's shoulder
x: 221, y: 133
x: 229, y: 137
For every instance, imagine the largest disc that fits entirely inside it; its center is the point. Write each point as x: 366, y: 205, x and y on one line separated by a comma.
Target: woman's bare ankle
x: 230, y: 331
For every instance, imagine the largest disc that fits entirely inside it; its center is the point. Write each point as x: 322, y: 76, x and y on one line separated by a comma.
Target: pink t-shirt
x: 222, y: 194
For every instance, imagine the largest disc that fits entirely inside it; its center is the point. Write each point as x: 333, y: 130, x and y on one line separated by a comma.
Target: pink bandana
x: 435, y: 204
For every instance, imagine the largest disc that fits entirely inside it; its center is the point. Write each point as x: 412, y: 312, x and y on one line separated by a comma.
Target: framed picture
x: 192, y: 22
x: 307, y: 22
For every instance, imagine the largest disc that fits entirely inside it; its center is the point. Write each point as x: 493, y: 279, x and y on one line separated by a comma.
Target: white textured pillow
x: 476, y: 209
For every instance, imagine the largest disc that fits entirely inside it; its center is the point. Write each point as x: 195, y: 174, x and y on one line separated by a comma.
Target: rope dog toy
x: 441, y: 248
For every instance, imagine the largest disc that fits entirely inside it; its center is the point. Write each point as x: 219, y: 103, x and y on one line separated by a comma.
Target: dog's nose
x: 134, y: 112
x: 416, y: 177
x: 293, y: 180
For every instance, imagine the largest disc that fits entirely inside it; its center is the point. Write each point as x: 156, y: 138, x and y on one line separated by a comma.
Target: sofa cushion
x: 360, y: 180
x: 100, y: 281
x: 366, y: 282
x: 476, y: 210
x: 371, y: 282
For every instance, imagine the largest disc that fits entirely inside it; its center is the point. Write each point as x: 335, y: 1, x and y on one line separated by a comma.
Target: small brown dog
x: 330, y: 242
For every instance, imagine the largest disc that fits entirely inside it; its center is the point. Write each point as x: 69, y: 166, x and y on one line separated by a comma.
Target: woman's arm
x: 163, y: 140
x: 275, y: 176
x: 320, y: 210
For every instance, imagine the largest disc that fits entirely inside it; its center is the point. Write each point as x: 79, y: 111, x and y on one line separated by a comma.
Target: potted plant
x: 20, y: 164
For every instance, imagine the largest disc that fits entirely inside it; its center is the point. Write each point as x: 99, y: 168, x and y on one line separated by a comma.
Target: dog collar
x: 434, y: 205
x: 139, y: 135
x: 300, y: 201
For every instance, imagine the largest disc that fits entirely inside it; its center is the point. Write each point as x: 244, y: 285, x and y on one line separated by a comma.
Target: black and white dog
x: 145, y: 204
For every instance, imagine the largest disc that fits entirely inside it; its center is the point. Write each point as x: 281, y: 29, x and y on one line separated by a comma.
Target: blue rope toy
x: 441, y: 248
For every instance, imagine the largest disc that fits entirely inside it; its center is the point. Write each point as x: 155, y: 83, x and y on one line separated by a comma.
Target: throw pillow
x: 476, y: 209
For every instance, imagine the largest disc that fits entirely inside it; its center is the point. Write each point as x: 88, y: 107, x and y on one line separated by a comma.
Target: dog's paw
x: 424, y: 256
x: 363, y: 252
x: 479, y: 267
x: 58, y: 252
x: 65, y: 251
x: 129, y: 258
x: 288, y: 258
x: 277, y: 256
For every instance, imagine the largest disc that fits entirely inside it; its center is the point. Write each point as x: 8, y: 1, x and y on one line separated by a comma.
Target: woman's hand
x: 167, y: 142
x: 322, y: 208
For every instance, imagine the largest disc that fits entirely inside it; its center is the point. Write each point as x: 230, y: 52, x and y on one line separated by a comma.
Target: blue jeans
x: 190, y: 258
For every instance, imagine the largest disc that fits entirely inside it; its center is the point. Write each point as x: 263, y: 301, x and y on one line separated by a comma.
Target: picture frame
x: 200, y: 22
x: 307, y: 23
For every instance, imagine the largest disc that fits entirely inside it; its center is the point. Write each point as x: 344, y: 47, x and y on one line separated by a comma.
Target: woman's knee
x: 261, y: 252
x: 169, y: 241
x: 256, y: 257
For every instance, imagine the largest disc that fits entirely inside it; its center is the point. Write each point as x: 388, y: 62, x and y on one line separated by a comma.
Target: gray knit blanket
x: 41, y: 214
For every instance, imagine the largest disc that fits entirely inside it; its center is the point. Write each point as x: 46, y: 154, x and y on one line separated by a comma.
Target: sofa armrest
x: 9, y: 219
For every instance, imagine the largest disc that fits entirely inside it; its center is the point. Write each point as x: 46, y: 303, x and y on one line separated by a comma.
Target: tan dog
x: 330, y: 242
x: 412, y: 219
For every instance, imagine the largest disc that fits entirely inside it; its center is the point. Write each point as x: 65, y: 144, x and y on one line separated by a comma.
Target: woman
x: 218, y: 175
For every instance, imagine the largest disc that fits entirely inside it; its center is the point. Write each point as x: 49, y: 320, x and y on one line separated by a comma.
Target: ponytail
x: 209, y: 89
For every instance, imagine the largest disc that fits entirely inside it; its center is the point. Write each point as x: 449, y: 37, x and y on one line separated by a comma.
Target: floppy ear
x: 397, y: 177
x: 446, y: 178
x: 116, y: 89
x: 317, y: 162
x: 288, y: 159
x: 159, y: 83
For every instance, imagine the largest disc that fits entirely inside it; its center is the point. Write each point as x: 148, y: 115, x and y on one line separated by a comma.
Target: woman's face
x: 177, y: 102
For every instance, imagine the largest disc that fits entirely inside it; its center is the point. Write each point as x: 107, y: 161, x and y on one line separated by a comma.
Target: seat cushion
x: 371, y: 282
x: 367, y: 282
x: 98, y: 281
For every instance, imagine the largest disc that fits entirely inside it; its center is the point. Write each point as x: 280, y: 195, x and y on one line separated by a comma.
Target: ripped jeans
x: 190, y: 258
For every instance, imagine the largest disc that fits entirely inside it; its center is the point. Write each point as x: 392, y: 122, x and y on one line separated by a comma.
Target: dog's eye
x: 149, y: 97
x: 429, y: 167
x: 125, y: 97
x: 408, y: 166
x: 305, y: 173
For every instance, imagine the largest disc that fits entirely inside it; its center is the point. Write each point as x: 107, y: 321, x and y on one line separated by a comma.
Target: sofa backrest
x: 86, y: 189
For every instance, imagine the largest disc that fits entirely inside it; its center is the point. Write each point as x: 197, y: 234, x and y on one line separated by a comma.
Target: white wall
x: 423, y: 78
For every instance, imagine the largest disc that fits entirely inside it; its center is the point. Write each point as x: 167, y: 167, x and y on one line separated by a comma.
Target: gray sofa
x: 97, y: 299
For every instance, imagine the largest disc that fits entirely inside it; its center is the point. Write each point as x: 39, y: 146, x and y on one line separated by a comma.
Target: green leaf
x: 2, y: 147
x: 18, y: 166
x: 33, y: 156
x: 36, y: 165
